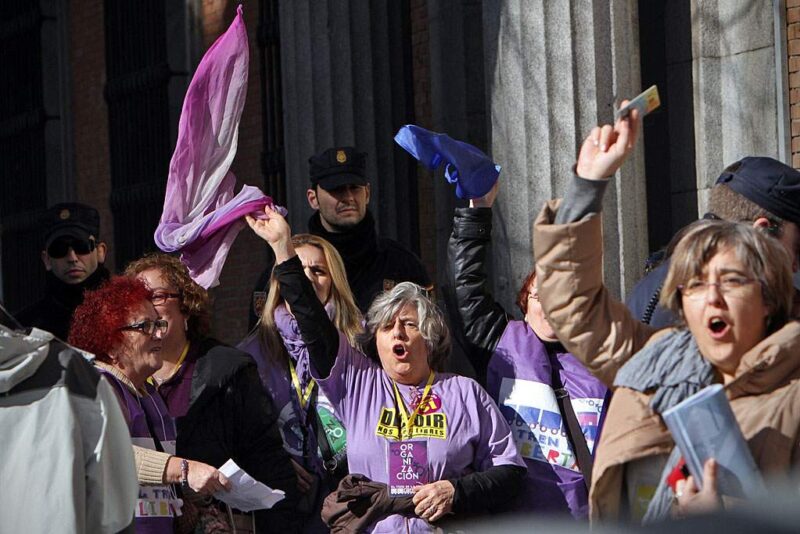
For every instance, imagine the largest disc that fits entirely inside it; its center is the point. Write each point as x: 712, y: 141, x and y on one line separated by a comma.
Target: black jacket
x: 372, y: 263
x: 484, y: 320
x: 643, y: 299
x: 230, y: 416
x: 54, y: 312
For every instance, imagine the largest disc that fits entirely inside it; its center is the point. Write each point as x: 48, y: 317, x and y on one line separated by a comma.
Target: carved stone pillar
x: 347, y: 81
x: 553, y: 71
x: 735, y: 98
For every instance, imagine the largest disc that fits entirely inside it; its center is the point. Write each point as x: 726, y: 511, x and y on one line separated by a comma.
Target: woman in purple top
x: 119, y: 324
x: 305, y: 413
x: 214, y: 393
x: 523, y: 365
x: 434, y: 436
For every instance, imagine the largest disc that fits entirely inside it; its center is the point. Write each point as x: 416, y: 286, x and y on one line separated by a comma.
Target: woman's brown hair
x: 764, y: 256
x: 194, y: 300
x: 524, y: 291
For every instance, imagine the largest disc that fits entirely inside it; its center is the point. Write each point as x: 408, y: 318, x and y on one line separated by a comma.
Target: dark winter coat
x: 53, y: 313
x: 230, y: 416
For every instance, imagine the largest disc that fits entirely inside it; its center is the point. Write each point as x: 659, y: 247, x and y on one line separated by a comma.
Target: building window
x: 137, y: 92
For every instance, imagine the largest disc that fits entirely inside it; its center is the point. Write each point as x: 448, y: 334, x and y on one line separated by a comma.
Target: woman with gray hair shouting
x: 433, y: 437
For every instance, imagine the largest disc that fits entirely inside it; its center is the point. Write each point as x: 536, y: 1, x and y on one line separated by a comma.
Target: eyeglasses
x: 60, y: 247
x: 161, y: 297
x: 149, y: 327
x: 730, y: 286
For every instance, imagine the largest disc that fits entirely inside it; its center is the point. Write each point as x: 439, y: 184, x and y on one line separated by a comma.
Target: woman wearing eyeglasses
x: 731, y: 288
x: 120, y: 326
x: 215, y: 394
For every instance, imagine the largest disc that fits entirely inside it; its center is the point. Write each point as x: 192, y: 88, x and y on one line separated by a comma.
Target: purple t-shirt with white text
x: 463, y: 429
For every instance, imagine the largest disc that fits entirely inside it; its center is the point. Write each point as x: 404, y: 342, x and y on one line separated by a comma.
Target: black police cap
x: 70, y: 219
x: 767, y: 182
x: 338, y: 166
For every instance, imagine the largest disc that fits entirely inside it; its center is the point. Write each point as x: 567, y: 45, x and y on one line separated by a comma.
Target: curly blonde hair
x: 194, y: 300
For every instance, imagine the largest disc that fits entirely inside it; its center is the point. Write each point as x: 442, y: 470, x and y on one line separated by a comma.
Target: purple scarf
x: 201, y: 216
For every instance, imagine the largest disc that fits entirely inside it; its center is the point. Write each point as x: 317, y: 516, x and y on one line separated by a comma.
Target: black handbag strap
x: 574, y: 431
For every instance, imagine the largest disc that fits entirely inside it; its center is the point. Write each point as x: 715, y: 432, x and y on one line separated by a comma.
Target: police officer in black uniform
x: 340, y: 194
x: 73, y: 256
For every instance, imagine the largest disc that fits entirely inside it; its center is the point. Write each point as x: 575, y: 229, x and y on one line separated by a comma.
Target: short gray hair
x: 432, y: 325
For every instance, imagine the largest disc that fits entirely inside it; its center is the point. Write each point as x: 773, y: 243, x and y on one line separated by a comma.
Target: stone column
x: 346, y: 81
x: 553, y: 71
x: 735, y: 103
x: 458, y: 98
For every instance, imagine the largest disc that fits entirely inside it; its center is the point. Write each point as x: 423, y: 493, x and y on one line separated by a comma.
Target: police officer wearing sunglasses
x: 73, y: 256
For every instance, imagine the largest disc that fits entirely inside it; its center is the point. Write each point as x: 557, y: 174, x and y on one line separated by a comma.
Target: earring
x: 186, y: 324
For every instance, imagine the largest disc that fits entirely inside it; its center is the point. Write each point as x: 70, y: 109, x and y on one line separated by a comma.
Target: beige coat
x: 601, y: 332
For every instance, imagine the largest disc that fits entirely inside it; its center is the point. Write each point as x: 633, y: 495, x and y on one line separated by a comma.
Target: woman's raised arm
x: 318, y: 332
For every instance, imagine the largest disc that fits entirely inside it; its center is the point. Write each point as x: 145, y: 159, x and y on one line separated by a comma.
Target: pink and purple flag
x: 202, y: 216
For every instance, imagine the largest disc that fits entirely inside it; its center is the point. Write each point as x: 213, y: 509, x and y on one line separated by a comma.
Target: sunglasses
x: 60, y: 247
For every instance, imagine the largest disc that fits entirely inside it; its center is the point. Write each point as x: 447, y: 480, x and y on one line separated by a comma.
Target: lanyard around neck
x: 177, y: 367
x: 408, y: 422
x: 303, y: 395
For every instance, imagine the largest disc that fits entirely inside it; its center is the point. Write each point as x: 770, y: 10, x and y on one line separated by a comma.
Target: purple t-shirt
x: 295, y: 421
x: 176, y: 391
x: 472, y: 435
x: 519, y: 379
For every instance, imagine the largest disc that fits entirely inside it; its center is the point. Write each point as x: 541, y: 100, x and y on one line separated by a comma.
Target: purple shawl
x: 201, y: 216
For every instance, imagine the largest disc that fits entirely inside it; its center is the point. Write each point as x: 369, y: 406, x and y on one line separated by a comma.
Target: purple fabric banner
x: 202, y: 216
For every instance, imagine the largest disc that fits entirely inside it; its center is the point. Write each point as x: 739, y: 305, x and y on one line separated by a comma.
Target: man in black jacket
x: 73, y: 256
x: 757, y: 190
x: 340, y: 195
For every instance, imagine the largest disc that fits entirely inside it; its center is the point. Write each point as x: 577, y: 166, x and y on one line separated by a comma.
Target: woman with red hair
x: 119, y: 324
